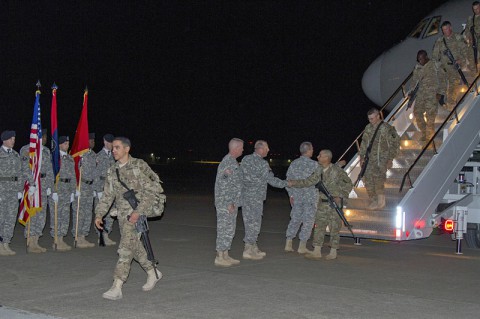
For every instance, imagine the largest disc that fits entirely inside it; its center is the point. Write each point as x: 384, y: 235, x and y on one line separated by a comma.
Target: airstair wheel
x: 472, y: 237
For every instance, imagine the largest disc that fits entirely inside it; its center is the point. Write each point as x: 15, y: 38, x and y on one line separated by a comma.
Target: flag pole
x: 55, y: 204
x: 78, y: 201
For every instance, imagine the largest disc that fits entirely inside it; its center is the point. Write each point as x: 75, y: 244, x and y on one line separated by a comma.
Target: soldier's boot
x: 33, y: 245
x: 8, y: 250
x: 107, y: 240
x: 3, y: 252
x: 373, y: 204
x: 288, y: 246
x: 83, y: 243
x: 220, y: 260
x: 152, y: 279
x: 249, y: 253
x: 115, y: 292
x: 302, y: 248
x: 332, y: 254
x: 61, y: 245
x: 258, y: 251
x: 316, y: 254
x: 230, y: 259
x: 381, y: 201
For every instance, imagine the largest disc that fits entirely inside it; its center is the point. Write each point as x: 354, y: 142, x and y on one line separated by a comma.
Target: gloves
x: 31, y: 190
x: 77, y: 193
x: 72, y: 197
x: 49, y: 191
x: 99, y: 195
x: 19, y: 195
x: 55, y: 197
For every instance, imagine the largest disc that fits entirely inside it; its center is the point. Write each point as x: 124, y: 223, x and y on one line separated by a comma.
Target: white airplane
x: 391, y: 68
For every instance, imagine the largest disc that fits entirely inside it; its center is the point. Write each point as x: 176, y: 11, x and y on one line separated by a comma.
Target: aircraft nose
x: 371, y: 81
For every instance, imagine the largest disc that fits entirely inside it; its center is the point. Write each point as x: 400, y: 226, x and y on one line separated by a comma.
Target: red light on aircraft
x: 419, y: 224
x: 449, y: 225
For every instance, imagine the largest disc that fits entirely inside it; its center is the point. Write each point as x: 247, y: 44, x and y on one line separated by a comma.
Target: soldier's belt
x: 8, y: 179
x: 65, y: 180
x: 103, y: 178
x: 42, y: 175
x: 86, y: 181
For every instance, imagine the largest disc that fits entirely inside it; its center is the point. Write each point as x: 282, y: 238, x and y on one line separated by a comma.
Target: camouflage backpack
x: 159, y: 204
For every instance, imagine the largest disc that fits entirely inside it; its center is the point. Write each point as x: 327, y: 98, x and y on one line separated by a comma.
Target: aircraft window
x: 417, y: 32
x: 433, y: 27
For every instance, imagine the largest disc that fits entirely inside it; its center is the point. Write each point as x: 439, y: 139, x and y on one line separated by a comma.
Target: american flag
x: 29, y: 206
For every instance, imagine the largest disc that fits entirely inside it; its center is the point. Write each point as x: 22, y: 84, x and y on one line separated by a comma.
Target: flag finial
x: 38, y: 85
x: 54, y: 86
x: 86, y: 89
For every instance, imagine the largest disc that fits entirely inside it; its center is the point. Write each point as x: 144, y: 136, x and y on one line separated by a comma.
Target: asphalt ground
x: 416, y: 279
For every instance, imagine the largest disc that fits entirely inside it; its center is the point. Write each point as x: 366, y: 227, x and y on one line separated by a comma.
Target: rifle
x: 321, y: 187
x: 142, y: 227
x: 413, y: 95
x: 450, y: 57
x: 101, y: 240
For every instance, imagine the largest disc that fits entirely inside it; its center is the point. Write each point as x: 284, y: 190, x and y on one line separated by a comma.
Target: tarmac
x: 416, y: 279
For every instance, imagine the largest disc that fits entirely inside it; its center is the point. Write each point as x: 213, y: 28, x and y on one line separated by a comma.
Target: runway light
x: 449, y: 225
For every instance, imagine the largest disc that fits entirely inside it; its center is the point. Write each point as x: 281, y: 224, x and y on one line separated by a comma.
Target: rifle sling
x: 369, y: 148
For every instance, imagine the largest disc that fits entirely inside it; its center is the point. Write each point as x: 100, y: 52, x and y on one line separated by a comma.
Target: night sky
x: 183, y: 77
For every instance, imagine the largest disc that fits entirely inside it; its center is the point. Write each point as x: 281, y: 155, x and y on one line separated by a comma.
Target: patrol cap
x: 7, y: 135
x: 108, y: 137
x: 62, y: 139
x: 91, y: 136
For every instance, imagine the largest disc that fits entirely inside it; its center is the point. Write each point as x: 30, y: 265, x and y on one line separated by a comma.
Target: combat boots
x: 249, y: 253
x: 302, y: 248
x: 83, y: 243
x: 258, y: 251
x: 288, y: 246
x: 221, y: 261
x: 151, y: 279
x: 33, y: 246
x: 332, y: 254
x: 3, y: 252
x: 373, y: 204
x: 115, y: 292
x: 316, y: 254
x: 8, y: 250
x: 108, y: 241
x: 61, y: 245
x: 230, y: 259
x: 381, y: 201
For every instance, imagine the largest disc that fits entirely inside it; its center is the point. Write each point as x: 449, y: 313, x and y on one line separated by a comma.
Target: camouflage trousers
x: 326, y: 216
x: 375, y: 176
x: 425, y: 113
x: 37, y: 222
x: 130, y: 248
x: 303, y: 213
x: 8, y: 214
x: 453, y: 87
x: 226, y: 224
x: 252, y: 220
x: 63, y: 215
x: 85, y: 212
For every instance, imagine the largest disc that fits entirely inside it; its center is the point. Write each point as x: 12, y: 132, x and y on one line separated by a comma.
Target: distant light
x: 289, y: 161
x: 270, y: 160
x: 152, y: 155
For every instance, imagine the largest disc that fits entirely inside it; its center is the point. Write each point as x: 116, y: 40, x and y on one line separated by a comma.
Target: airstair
x: 421, y: 174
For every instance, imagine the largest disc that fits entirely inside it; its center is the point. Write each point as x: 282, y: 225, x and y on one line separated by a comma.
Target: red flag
x: 30, y: 205
x: 81, y: 142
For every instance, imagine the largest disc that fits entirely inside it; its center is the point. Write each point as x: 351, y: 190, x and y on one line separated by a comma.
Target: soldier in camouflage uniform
x: 104, y: 161
x: 473, y: 24
x: 11, y: 187
x: 37, y: 222
x: 256, y: 175
x: 431, y: 86
x: 338, y: 183
x: 66, y: 191
x: 384, y: 149
x: 88, y: 164
x: 456, y: 43
x: 228, y: 188
x: 130, y: 246
x: 303, y: 201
